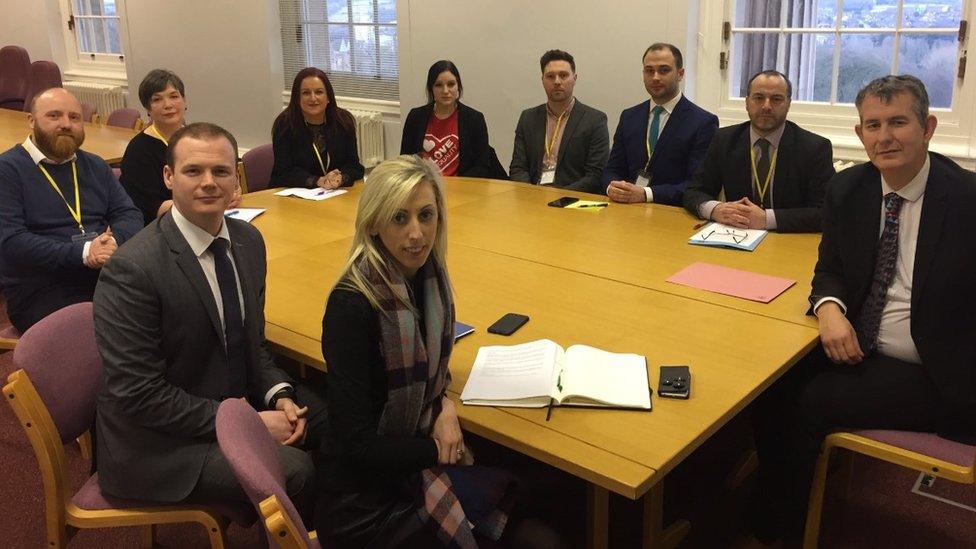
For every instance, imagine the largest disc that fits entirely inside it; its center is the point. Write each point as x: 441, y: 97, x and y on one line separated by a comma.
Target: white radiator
x: 369, y: 134
x: 105, y: 98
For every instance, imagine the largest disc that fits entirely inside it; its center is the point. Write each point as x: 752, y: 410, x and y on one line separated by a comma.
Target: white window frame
x: 955, y: 135
x: 98, y: 66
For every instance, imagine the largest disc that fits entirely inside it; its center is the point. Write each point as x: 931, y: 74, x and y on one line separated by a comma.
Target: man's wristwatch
x: 286, y: 392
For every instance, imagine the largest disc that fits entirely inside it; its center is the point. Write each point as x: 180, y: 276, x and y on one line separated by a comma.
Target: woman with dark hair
x: 314, y: 139
x: 163, y: 96
x: 394, y: 469
x: 450, y: 133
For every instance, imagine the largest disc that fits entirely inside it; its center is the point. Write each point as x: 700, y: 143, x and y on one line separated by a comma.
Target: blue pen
x: 320, y: 193
x: 231, y: 213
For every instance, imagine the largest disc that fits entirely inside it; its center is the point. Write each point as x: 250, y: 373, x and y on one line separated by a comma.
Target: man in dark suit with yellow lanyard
x: 62, y: 213
x: 772, y: 171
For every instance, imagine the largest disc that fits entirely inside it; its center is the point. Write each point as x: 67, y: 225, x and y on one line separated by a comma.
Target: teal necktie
x: 655, y: 127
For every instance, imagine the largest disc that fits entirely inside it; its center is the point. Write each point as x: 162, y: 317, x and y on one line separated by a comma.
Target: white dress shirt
x: 774, y: 137
x: 895, y: 331
x: 662, y: 121
x: 199, y: 241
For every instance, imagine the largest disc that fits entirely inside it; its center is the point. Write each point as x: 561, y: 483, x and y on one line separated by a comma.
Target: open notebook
x: 530, y: 374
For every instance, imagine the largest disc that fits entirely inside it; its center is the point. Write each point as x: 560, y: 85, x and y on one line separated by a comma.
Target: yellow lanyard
x: 319, y: 157
x: 762, y: 187
x: 75, y: 213
x: 550, y: 143
x: 151, y: 130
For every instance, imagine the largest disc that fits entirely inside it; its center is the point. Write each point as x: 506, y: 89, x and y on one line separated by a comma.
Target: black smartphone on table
x: 508, y: 324
x: 675, y: 382
x: 563, y: 202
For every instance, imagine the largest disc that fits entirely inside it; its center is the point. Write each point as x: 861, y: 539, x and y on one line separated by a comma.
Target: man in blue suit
x: 659, y: 143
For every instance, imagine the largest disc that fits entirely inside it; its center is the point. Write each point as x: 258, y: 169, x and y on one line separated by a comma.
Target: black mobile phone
x: 508, y: 324
x: 563, y: 202
x: 675, y: 382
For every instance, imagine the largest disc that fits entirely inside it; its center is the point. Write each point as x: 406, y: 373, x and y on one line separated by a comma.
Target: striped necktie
x: 869, y: 321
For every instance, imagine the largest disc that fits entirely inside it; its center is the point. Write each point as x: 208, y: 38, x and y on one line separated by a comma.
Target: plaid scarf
x: 417, y: 377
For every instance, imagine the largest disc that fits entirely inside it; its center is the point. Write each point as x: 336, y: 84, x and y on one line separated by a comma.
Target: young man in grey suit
x: 562, y: 142
x: 179, y: 321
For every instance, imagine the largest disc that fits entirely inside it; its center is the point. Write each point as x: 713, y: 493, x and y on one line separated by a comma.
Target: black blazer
x: 582, y: 153
x: 943, y: 324
x: 295, y: 161
x: 165, y: 369
x: 804, y: 164
x: 476, y: 157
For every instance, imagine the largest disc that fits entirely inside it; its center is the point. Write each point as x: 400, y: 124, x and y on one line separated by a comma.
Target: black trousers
x: 815, y: 398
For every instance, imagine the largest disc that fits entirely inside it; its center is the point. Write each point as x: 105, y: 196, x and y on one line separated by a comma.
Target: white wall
x: 497, y: 46
x: 26, y: 24
x: 228, y: 53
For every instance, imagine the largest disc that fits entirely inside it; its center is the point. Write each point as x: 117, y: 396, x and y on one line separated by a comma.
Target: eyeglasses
x: 733, y: 235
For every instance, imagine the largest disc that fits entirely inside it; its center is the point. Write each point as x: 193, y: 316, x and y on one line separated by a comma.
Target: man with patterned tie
x: 179, y: 321
x: 658, y: 144
x: 773, y: 172
x: 894, y: 296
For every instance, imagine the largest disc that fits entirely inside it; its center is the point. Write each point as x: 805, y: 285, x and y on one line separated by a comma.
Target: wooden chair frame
x: 62, y: 517
x: 877, y: 450
x: 280, y: 526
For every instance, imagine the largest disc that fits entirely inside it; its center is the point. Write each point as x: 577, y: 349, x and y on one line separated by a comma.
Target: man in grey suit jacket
x: 179, y: 321
x: 562, y: 142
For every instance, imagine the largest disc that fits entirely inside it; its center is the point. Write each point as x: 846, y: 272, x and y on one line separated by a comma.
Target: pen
x: 549, y: 411
x: 604, y: 205
x: 231, y: 213
x: 320, y: 192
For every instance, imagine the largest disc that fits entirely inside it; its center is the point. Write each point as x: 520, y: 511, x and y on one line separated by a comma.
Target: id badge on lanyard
x: 548, y: 176
x: 643, y: 178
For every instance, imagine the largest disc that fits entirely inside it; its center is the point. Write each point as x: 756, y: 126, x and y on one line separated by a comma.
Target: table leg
x: 656, y: 536
x: 598, y: 517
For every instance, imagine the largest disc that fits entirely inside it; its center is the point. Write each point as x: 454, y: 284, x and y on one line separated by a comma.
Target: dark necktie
x: 869, y: 320
x: 762, y: 169
x: 234, y: 336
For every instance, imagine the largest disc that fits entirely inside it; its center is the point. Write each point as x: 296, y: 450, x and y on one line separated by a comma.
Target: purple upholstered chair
x: 53, y: 396
x: 125, y: 118
x: 257, y: 168
x: 14, y: 77
x: 924, y: 452
x: 253, y: 455
x: 88, y: 112
x: 43, y: 75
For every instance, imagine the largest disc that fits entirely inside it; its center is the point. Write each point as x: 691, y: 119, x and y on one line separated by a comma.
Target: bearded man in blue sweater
x: 62, y: 213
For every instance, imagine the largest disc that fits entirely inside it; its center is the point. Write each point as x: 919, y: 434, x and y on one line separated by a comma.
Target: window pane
x: 364, y: 58
x: 338, y: 11
x: 112, y: 34
x: 110, y: 7
x: 932, y: 14
x: 932, y: 58
x: 314, y: 11
x: 362, y: 11
x: 387, y: 9
x: 757, y: 13
x: 864, y: 58
x: 316, y: 47
x: 826, y: 15
x: 751, y: 53
x: 87, y: 38
x: 388, y: 52
x: 870, y: 14
x: 340, y: 56
x: 809, y: 64
x: 81, y: 7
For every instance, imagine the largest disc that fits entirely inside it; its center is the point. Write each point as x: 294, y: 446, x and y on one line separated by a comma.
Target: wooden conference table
x: 593, y: 277
x: 107, y: 142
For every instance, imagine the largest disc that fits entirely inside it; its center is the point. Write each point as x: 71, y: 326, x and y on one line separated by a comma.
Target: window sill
x: 111, y: 77
x: 847, y: 146
x: 387, y: 108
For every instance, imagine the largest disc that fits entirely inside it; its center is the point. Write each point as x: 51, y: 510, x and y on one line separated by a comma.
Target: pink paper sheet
x: 733, y: 282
